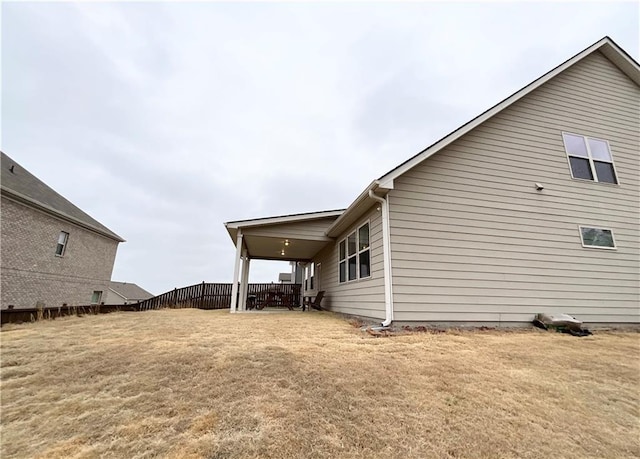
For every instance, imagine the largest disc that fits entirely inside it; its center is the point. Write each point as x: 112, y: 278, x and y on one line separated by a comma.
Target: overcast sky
x: 164, y: 120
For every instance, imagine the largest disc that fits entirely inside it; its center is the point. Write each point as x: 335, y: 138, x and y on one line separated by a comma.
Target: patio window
x: 589, y: 158
x: 354, y: 255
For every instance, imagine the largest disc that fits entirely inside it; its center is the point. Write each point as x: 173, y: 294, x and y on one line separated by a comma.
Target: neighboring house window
x: 589, y: 158
x: 96, y: 297
x: 354, y: 258
x: 62, y: 243
x: 597, y: 237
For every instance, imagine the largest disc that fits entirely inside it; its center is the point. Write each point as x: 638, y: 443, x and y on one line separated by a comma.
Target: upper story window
x: 354, y: 255
x: 62, y: 243
x: 589, y: 158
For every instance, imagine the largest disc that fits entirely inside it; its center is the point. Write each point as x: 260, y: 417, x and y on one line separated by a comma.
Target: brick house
x: 52, y: 253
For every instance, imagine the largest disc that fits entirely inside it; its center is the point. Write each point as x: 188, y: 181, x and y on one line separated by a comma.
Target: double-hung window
x: 354, y: 255
x: 63, y: 238
x: 589, y: 158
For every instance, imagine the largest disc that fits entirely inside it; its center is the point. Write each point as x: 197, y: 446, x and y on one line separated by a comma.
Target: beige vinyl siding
x: 473, y: 241
x: 363, y: 297
x: 304, y: 230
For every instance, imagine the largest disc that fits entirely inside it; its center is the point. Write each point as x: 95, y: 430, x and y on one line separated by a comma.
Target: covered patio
x: 296, y: 238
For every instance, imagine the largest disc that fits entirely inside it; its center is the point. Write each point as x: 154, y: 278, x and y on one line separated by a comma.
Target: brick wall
x: 31, y: 272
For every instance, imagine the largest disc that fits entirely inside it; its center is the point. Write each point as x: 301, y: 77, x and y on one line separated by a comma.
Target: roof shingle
x: 129, y: 291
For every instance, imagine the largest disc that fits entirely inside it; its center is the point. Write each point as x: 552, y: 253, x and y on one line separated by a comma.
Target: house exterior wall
x: 472, y: 240
x: 363, y: 297
x: 31, y: 272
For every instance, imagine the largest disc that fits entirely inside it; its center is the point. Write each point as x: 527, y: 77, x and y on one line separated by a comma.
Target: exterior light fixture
x: 282, y: 253
x: 286, y: 242
x: 539, y: 186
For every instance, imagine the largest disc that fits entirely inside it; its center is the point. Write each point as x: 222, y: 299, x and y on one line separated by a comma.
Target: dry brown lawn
x: 208, y: 384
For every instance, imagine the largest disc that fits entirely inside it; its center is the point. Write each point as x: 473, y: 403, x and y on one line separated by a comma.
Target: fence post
x: 201, y: 295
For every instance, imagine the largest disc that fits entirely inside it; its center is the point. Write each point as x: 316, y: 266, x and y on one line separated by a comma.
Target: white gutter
x: 386, y: 257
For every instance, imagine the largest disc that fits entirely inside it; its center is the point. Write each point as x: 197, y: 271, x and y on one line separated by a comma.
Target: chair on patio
x: 315, y: 304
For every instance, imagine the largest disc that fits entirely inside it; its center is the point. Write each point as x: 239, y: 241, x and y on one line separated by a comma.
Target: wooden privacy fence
x: 201, y: 296
x: 218, y: 296
x: 279, y: 295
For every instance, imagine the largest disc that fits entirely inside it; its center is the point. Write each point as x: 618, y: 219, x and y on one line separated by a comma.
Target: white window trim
x: 613, y: 237
x: 357, y: 254
x: 590, y: 158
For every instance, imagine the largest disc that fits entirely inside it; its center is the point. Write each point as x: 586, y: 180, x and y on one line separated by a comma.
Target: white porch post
x: 303, y: 280
x: 244, y: 283
x: 236, y: 273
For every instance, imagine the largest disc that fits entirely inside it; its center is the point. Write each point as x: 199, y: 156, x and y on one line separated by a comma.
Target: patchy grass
x: 208, y: 384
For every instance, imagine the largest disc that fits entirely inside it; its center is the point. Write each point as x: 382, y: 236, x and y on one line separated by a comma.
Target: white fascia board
x: 612, y: 51
x: 622, y: 60
x: 284, y: 219
x: 386, y: 185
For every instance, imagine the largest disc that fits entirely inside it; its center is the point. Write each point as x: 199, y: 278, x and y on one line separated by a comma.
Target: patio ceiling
x: 271, y: 248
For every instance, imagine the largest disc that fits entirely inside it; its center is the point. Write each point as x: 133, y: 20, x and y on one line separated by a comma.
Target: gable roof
x: 606, y: 46
x: 19, y: 184
x: 233, y: 226
x: 266, y: 238
x: 127, y: 290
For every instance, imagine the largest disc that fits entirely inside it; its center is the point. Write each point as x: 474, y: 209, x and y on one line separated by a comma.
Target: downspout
x: 386, y: 258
